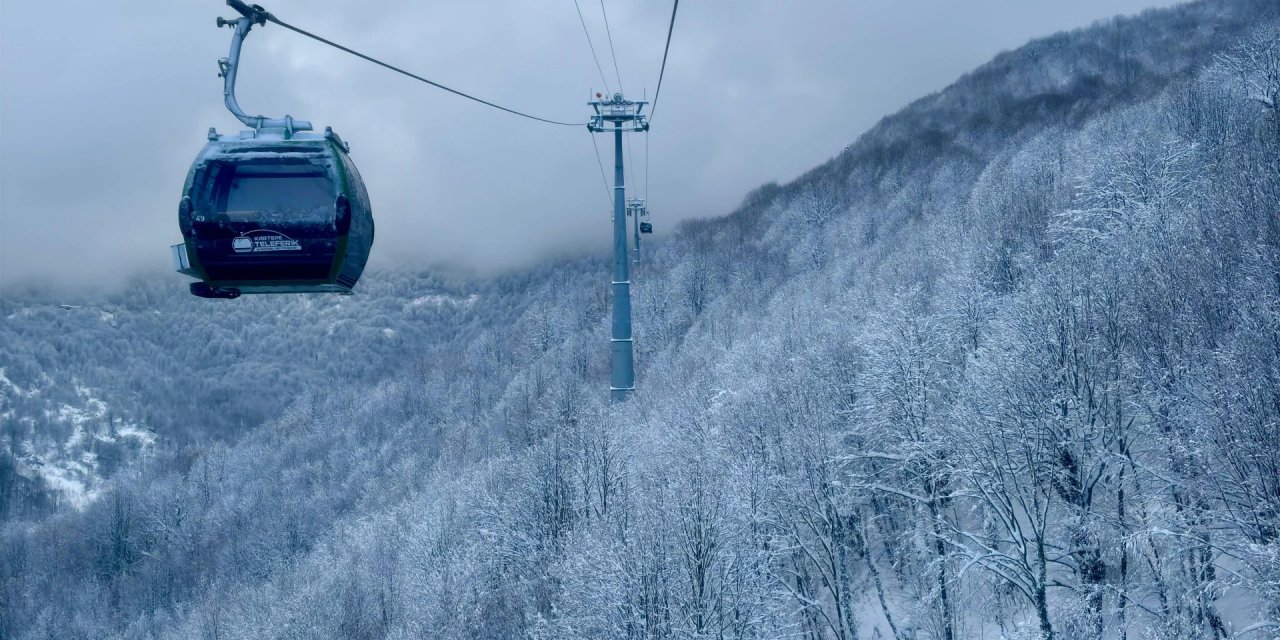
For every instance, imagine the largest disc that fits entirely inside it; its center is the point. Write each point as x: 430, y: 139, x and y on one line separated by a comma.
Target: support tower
x: 620, y: 115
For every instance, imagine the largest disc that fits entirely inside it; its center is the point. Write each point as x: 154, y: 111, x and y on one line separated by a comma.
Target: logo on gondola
x: 263, y: 241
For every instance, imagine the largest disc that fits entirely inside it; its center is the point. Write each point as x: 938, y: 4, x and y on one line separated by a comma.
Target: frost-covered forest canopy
x: 1008, y: 367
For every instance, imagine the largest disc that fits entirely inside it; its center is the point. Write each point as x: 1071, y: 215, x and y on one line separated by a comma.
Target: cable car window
x: 286, y: 197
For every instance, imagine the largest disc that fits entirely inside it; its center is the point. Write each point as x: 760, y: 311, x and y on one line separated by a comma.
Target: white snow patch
x: 434, y: 300
x: 334, y: 326
x: 440, y: 300
x: 77, y: 494
x: 21, y: 313
x: 147, y: 438
x: 76, y: 438
x: 388, y: 332
x: 77, y: 416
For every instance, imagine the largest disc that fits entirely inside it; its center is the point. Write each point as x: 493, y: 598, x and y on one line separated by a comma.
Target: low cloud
x: 104, y: 108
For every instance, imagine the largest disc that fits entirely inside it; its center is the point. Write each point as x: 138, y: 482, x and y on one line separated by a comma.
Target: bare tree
x: 1254, y: 67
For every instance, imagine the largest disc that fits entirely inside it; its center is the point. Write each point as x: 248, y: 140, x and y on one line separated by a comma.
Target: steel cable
x: 593, y: 47
x: 612, y: 53
x: 671, y: 27
x: 268, y: 16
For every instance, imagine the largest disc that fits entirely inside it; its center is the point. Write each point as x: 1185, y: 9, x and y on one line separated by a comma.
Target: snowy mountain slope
x: 1006, y: 368
x: 71, y: 469
x: 91, y: 385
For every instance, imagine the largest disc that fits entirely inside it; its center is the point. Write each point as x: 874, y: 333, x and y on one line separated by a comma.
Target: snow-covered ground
x: 71, y: 466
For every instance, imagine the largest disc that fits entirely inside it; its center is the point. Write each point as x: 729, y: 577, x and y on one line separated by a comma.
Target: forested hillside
x: 1008, y: 367
x: 89, y: 382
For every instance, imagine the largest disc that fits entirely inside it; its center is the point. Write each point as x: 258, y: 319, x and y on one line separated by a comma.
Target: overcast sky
x: 103, y: 105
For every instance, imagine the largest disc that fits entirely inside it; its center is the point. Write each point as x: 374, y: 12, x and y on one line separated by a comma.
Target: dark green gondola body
x: 266, y: 214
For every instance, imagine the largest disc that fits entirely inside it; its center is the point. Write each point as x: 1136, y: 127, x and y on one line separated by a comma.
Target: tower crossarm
x: 619, y: 112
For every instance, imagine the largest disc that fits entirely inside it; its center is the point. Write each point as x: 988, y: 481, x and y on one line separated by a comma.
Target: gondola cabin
x: 646, y: 227
x: 265, y: 212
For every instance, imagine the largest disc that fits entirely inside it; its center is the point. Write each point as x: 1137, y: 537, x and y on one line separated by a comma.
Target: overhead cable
x: 269, y: 17
x: 671, y: 27
x: 593, y: 47
x: 608, y: 193
x: 612, y: 53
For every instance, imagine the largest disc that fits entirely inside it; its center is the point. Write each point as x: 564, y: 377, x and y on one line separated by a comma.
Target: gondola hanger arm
x: 228, y: 67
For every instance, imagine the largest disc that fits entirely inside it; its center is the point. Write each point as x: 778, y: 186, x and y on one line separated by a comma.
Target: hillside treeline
x: 1009, y: 367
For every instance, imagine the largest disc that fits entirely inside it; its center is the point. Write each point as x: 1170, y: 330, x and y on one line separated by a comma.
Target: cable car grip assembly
x: 227, y: 67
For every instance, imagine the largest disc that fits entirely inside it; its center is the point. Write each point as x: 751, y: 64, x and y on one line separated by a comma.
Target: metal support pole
x: 623, y: 379
x: 626, y: 117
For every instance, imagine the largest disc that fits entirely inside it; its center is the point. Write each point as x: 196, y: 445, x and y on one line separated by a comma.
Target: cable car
x: 646, y: 227
x: 268, y: 214
x: 274, y: 209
